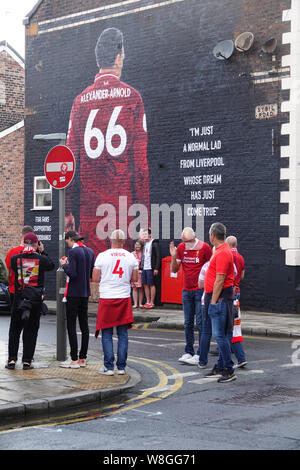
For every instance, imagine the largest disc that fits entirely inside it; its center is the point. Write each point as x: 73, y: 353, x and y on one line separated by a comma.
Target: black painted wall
x: 169, y: 60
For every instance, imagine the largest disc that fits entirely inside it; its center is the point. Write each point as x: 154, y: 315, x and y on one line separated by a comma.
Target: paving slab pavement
x: 47, y: 388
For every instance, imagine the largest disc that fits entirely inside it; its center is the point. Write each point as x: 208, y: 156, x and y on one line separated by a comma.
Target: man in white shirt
x: 115, y: 269
x: 150, y: 266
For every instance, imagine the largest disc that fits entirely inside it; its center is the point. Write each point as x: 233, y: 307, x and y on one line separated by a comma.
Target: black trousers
x: 78, y: 307
x: 30, y: 330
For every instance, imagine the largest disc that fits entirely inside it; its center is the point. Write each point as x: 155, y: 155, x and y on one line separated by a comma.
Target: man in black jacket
x: 150, y: 265
x: 29, y: 267
x: 79, y: 268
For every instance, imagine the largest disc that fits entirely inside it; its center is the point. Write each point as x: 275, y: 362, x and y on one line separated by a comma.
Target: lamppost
x: 61, y: 329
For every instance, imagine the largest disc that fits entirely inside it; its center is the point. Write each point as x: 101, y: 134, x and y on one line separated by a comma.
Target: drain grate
x: 270, y: 396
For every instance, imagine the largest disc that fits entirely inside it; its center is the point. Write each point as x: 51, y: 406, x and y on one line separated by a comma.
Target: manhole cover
x: 271, y: 396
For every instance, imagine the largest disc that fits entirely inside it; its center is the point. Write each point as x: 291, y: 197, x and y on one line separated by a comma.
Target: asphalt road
x: 174, y: 408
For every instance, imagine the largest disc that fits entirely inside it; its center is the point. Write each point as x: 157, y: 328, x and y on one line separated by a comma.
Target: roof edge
x: 4, y: 45
x: 27, y: 18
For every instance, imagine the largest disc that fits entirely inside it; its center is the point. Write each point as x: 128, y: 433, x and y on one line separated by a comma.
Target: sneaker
x: 70, y: 365
x: 241, y: 364
x: 10, y: 365
x: 193, y: 361
x: 27, y: 366
x: 121, y: 372
x: 202, y: 366
x: 82, y: 363
x: 184, y: 358
x: 214, y: 373
x: 227, y: 376
x: 106, y: 372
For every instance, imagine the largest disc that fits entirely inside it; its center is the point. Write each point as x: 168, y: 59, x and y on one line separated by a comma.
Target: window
x: 42, y: 197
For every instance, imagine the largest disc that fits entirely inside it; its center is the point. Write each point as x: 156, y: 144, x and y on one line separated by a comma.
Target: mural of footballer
x: 108, y: 137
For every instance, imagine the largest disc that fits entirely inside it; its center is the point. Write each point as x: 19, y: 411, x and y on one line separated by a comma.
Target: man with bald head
x: 191, y: 254
x: 115, y: 269
x: 238, y: 261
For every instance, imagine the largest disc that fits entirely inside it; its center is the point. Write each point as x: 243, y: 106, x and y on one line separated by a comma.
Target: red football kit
x: 192, y: 262
x: 108, y: 137
x: 220, y: 263
x: 240, y: 266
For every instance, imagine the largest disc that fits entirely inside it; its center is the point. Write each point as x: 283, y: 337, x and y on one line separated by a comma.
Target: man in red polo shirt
x: 238, y: 261
x: 191, y: 254
x: 218, y: 287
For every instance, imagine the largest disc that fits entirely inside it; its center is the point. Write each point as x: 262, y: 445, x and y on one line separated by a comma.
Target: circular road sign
x: 59, y: 167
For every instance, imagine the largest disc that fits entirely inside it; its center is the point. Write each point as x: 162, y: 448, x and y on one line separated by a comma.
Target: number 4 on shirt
x: 118, y: 269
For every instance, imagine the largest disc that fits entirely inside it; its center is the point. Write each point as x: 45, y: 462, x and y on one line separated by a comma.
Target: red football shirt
x: 108, y: 137
x: 11, y: 275
x: 192, y: 262
x: 240, y: 266
x: 220, y: 263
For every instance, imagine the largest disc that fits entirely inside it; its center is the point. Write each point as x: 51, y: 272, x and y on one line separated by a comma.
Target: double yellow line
x: 144, y: 398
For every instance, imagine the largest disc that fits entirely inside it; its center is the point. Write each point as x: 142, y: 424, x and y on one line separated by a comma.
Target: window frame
x: 41, y: 191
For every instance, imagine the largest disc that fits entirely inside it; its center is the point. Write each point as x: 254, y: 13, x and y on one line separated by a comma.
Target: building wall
x: 232, y: 173
x: 12, y: 188
x: 11, y: 90
x: 11, y: 147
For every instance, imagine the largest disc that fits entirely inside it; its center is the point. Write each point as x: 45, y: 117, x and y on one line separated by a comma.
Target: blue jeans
x: 218, y: 316
x: 205, y: 338
x: 238, y: 351
x: 191, y: 302
x: 108, y: 348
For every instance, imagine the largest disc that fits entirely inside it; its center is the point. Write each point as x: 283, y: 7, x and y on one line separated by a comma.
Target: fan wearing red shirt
x: 191, y: 254
x: 238, y: 261
x: 218, y: 287
x: 108, y: 137
x: 15, y: 251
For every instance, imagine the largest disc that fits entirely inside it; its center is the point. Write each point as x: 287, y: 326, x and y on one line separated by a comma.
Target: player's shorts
x: 147, y: 277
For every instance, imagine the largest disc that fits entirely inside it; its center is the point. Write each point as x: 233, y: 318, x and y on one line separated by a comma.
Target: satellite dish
x: 224, y: 49
x: 244, y: 41
x: 269, y: 46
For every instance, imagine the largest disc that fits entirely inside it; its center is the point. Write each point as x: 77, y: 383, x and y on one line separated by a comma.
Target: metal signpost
x: 59, y: 170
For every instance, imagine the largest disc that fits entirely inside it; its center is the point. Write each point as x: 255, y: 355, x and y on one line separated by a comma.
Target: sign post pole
x: 59, y: 172
x: 61, y: 326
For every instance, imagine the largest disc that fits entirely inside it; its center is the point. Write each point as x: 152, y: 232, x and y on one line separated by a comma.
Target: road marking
x: 290, y: 364
x: 185, y: 374
x: 162, y: 388
x: 213, y: 379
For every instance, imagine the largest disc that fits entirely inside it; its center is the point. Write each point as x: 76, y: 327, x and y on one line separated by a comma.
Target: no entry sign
x: 59, y: 167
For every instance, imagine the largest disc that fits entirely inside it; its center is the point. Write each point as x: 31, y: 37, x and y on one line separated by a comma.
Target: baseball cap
x: 74, y: 235
x: 30, y: 238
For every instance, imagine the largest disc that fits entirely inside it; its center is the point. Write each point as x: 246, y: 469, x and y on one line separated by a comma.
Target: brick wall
x: 11, y: 91
x: 11, y: 147
x: 169, y: 60
x: 12, y: 189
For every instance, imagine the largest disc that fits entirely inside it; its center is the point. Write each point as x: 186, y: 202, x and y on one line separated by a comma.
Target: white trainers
x: 70, y: 364
x: 121, y: 372
x: 184, y: 358
x: 193, y: 361
x: 105, y: 371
